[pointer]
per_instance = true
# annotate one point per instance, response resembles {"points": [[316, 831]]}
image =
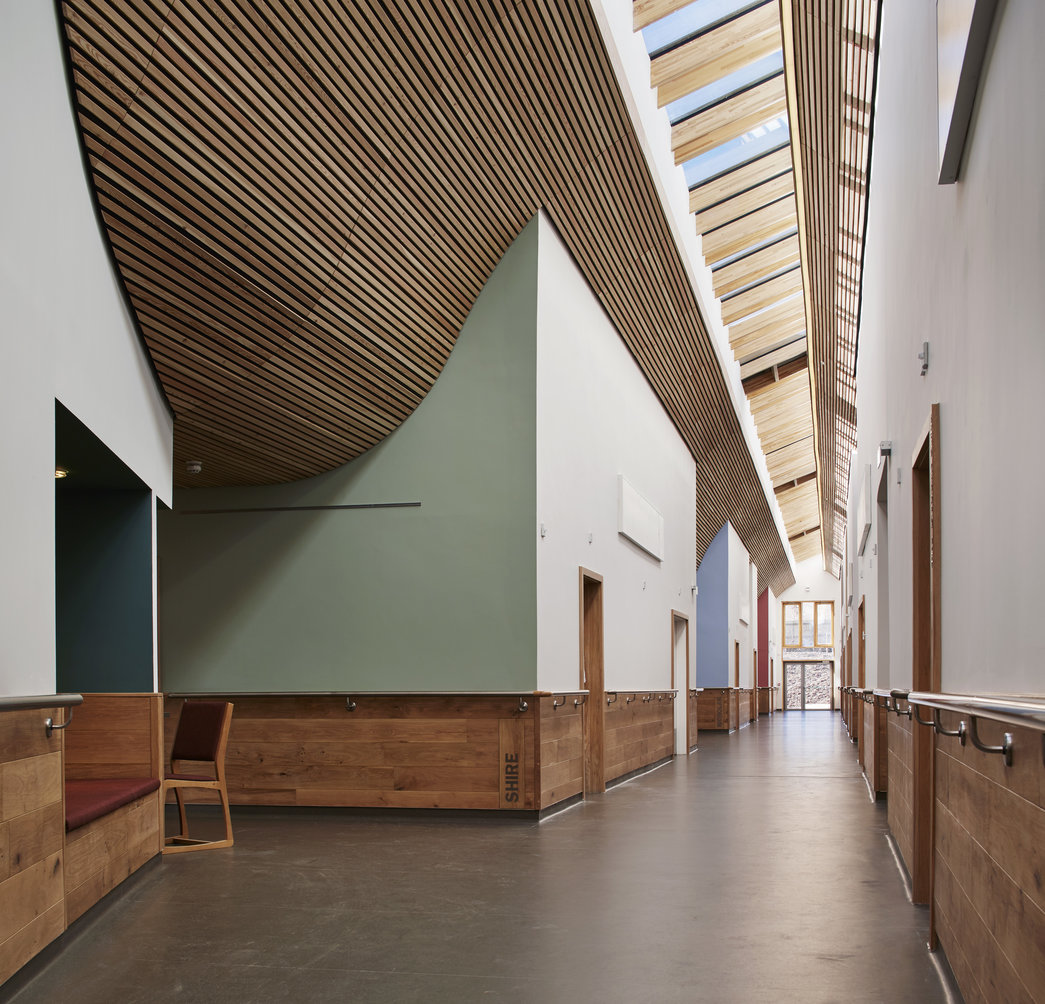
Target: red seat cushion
{"points": [[87, 800]]}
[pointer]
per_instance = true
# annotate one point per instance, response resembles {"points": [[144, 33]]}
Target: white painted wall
{"points": [[631, 64], [960, 266], [65, 334], [598, 418], [743, 610]]}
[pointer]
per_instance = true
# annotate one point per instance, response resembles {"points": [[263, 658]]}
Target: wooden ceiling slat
{"points": [[716, 53], [747, 202], [772, 258], [645, 12], [764, 295], [758, 334], [799, 507], [740, 179], [807, 546], [782, 412], [795, 460], [749, 231], [728, 119]]}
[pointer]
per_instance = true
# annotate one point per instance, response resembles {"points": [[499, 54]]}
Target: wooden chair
{"points": [[202, 735]]}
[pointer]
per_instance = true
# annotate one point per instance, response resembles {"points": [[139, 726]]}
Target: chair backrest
{"points": [[202, 729]]}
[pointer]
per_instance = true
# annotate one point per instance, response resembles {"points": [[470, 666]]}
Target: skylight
{"points": [[757, 141], [725, 86], [687, 21]]}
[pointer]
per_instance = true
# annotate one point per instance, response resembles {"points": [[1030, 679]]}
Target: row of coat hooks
{"points": [[612, 696]]}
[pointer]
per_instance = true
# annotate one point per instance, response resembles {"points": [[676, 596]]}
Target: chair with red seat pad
{"points": [[201, 737]]}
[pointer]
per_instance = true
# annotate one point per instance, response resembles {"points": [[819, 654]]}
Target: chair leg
{"points": [[182, 818], [224, 796]]}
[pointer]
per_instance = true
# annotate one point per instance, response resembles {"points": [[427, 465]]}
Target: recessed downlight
{"points": [[60, 472]]}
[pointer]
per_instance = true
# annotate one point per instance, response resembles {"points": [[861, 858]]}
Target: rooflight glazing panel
{"points": [[753, 143]]}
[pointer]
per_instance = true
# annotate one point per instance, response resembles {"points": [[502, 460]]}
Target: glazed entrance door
{"points": [[807, 686]]}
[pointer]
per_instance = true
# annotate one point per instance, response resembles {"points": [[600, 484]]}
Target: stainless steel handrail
{"points": [[345, 693], [1023, 712], [36, 701], [1020, 712]]}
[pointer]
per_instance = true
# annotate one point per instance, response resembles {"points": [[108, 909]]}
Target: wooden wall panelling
{"points": [[713, 709], [639, 733], [299, 292], [100, 855], [881, 763], [866, 750], [32, 832], [407, 751], [901, 812], [561, 750], [116, 735], [988, 894], [692, 719]]}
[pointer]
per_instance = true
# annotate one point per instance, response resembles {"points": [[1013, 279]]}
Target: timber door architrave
{"points": [[592, 679], [926, 661], [681, 692]]}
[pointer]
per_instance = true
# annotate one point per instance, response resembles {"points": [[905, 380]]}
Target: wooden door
{"points": [[593, 680]]}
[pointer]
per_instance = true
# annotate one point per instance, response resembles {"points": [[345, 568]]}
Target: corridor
{"points": [[757, 869]]}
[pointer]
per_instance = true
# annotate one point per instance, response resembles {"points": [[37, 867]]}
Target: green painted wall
{"points": [[441, 597]]}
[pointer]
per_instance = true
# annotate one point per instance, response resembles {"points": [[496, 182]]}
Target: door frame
{"points": [[681, 744], [926, 660]]}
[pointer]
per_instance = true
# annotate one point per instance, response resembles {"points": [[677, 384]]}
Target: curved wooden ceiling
{"points": [[305, 198]]}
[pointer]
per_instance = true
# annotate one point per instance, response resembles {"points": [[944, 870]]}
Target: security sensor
{"points": [[193, 467]]}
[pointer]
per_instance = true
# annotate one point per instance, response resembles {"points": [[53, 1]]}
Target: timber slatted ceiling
{"points": [[716, 52], [751, 267], [830, 53], [746, 213], [808, 545], [781, 411], [305, 200]]}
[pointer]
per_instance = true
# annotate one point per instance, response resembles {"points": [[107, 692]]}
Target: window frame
{"points": [[803, 642]]}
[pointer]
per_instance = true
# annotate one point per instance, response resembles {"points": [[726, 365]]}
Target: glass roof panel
{"points": [[687, 20], [757, 141], [729, 84]]}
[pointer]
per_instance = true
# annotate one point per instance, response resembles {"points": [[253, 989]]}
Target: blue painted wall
{"points": [[713, 613]]}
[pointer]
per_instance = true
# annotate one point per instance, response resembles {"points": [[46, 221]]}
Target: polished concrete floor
{"points": [[757, 869]]}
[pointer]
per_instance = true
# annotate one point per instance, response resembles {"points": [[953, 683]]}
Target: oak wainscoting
{"points": [[640, 732], [32, 835]]}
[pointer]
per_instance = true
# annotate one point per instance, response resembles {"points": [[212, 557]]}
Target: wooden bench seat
{"points": [[89, 799], [113, 751]]}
